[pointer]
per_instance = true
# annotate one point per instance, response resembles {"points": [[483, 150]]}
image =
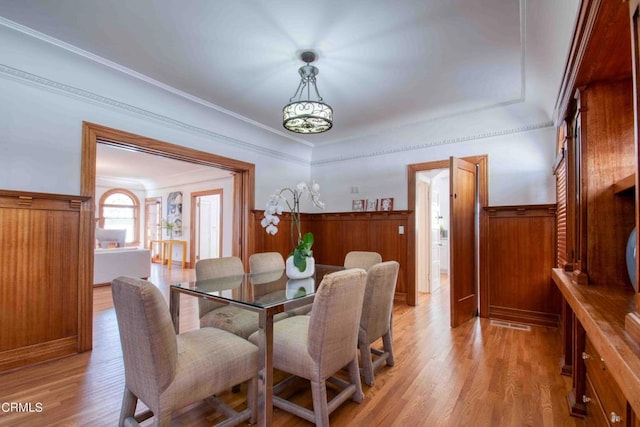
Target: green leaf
{"points": [[307, 239], [299, 260], [303, 251]]}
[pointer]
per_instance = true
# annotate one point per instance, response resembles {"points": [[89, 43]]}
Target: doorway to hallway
{"points": [[432, 228], [206, 217]]}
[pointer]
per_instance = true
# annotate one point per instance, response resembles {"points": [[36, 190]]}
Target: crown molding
{"points": [[466, 138], [85, 95], [115, 66]]}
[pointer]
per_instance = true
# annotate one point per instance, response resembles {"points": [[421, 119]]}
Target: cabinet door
{"points": [[634, 10]]}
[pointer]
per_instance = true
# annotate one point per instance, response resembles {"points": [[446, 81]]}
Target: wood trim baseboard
{"points": [[524, 316], [23, 356]]}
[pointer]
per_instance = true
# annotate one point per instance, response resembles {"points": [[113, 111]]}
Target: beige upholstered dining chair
{"points": [[315, 347], [273, 261], [168, 371], [376, 320], [266, 261], [218, 315], [361, 259]]}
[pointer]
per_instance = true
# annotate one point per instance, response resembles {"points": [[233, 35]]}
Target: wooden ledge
{"points": [[603, 311]]}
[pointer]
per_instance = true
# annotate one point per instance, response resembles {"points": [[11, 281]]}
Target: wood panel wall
{"points": [[39, 277], [338, 233], [520, 253], [608, 157]]}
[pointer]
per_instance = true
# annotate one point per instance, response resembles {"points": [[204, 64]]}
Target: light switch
{"points": [[401, 229]]}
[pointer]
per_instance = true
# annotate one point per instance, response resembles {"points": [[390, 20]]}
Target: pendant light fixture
{"points": [[302, 114]]}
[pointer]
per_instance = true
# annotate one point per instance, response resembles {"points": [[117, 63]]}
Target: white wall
{"points": [[49, 92], [226, 184], [519, 170], [52, 91]]}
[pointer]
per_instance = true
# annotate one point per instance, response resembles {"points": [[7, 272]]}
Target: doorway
{"points": [[243, 200], [152, 220], [206, 217], [480, 169], [432, 229]]}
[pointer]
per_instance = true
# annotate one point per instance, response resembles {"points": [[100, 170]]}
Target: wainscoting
{"points": [[41, 292], [338, 233], [519, 254]]}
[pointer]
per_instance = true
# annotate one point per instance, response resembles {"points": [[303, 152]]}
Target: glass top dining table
{"points": [[266, 293]]}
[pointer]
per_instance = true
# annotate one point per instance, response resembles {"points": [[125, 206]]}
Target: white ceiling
{"points": [[118, 166], [382, 63]]}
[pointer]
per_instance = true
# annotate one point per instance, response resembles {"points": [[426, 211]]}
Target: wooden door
{"points": [[463, 243], [206, 233]]}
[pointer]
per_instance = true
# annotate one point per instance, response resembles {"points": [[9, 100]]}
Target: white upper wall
{"points": [[51, 91]]}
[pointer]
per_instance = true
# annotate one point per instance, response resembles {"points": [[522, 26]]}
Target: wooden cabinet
{"points": [[596, 417], [605, 358], [606, 393], [596, 176]]}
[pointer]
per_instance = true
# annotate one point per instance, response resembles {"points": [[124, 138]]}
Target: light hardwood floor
{"points": [[478, 374]]}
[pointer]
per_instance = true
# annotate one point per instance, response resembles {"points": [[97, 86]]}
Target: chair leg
{"points": [[367, 364], [129, 403], [162, 419], [387, 343], [354, 377], [320, 406], [252, 399]]}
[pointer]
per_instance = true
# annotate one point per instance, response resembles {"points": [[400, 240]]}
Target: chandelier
{"points": [[307, 115]]}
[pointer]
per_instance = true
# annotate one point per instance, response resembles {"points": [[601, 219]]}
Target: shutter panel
{"points": [[561, 214]]}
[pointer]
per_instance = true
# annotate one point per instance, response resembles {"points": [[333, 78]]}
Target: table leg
{"points": [[265, 367], [170, 255], [174, 309]]}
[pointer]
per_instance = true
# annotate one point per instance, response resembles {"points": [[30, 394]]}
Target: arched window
{"points": [[120, 208]]}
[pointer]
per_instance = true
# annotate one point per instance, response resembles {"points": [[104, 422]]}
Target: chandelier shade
{"points": [[306, 115]]}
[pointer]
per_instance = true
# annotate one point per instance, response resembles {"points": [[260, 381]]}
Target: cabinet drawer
{"points": [[610, 396], [596, 416]]}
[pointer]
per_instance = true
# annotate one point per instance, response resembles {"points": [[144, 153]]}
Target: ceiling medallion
{"points": [[307, 115]]}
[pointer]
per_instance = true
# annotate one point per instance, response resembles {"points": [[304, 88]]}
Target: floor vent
{"points": [[517, 326]]}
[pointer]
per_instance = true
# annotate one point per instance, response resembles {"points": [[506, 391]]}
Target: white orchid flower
{"points": [[271, 229], [274, 205]]}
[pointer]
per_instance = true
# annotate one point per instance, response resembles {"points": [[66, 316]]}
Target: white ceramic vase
{"points": [[298, 288], [294, 273]]}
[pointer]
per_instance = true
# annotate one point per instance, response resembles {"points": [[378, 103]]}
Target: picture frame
{"points": [[385, 204], [372, 205], [358, 205]]}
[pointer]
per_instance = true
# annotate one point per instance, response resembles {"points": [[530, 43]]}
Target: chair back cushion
{"points": [[266, 261], [213, 268], [149, 345], [333, 326], [361, 259], [378, 299]]}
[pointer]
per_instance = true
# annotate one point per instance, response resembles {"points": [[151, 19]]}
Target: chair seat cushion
{"points": [[290, 352], [222, 357], [236, 320]]}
